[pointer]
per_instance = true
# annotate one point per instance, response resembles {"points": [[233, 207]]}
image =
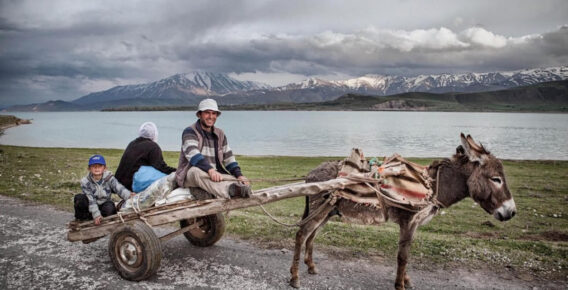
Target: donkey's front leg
{"points": [[303, 233], [405, 240], [308, 255], [300, 239]]}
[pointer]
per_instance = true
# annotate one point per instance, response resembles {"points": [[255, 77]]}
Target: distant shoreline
{"points": [[238, 108], [533, 100], [547, 97]]}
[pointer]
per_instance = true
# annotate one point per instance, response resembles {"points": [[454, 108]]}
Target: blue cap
{"points": [[97, 159]]}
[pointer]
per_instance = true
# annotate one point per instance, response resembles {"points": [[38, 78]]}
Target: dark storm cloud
{"points": [[65, 49], [379, 51], [556, 43]]}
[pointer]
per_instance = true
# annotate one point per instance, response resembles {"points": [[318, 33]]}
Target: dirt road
{"points": [[34, 253]]}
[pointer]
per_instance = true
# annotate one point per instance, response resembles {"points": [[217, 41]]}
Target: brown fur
{"points": [[468, 173]]}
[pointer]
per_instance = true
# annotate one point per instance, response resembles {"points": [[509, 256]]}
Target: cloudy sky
{"points": [[65, 49]]}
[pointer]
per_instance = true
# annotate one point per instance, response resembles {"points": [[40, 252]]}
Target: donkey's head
{"points": [[487, 184]]}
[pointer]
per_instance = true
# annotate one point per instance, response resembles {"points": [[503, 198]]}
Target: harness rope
{"points": [[435, 195], [332, 199], [272, 180]]}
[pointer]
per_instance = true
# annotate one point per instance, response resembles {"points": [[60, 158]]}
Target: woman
{"points": [[142, 151]]}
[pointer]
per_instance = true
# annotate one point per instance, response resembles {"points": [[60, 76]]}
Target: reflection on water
{"points": [[420, 134]]}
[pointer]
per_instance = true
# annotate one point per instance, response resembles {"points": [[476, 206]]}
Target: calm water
{"points": [[419, 134]]}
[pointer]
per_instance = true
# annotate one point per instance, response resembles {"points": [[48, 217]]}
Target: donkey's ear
{"points": [[460, 150], [475, 152]]}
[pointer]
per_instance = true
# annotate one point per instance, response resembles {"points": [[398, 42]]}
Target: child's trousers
{"points": [[81, 203]]}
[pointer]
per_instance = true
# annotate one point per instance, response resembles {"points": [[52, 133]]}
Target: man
{"points": [[206, 160]]}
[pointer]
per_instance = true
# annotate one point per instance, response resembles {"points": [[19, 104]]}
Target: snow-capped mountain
{"points": [[468, 82], [188, 88], [318, 90], [308, 83]]}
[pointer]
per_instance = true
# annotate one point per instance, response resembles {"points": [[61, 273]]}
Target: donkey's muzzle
{"points": [[507, 211]]}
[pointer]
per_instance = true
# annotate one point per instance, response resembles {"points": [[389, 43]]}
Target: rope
{"points": [[273, 180], [120, 216], [330, 200], [388, 201], [144, 220], [136, 206], [381, 201], [435, 197], [137, 210], [277, 221]]}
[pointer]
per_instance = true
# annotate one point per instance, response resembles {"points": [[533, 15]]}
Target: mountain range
{"points": [[318, 90], [190, 88], [180, 88], [540, 97]]}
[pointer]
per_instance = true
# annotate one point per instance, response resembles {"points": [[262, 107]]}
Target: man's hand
{"points": [[214, 175], [132, 194], [98, 220], [242, 179]]}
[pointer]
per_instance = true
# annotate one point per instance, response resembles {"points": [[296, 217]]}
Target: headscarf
{"points": [[149, 130]]}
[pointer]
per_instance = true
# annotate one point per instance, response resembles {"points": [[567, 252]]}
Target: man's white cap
{"points": [[149, 130], [208, 104]]}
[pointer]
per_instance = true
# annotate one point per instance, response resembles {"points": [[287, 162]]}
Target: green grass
{"points": [[535, 241]]}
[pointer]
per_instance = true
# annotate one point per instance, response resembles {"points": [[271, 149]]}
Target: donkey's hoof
{"points": [[295, 283], [407, 282], [313, 270]]}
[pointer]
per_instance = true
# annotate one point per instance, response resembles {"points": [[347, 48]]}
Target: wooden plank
{"points": [[258, 198], [89, 233], [161, 215], [172, 235]]}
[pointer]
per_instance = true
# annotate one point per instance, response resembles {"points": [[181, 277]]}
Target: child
{"points": [[98, 185]]}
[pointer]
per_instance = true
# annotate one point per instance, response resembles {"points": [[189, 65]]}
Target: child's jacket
{"points": [[99, 193]]}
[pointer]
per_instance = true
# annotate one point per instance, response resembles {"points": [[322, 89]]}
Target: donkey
{"points": [[472, 172]]}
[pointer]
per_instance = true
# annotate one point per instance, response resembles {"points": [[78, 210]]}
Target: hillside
{"points": [[49, 106], [543, 97]]}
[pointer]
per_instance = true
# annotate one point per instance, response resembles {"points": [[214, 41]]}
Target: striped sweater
{"points": [[205, 150]]}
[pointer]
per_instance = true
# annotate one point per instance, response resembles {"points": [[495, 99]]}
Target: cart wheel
{"points": [[135, 251], [210, 230]]}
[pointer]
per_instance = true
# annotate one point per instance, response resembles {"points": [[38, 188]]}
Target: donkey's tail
{"points": [[306, 208]]}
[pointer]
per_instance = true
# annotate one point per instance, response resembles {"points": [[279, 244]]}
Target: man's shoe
{"points": [[239, 190], [120, 204]]}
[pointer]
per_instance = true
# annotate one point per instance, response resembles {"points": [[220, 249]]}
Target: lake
{"points": [[412, 134]]}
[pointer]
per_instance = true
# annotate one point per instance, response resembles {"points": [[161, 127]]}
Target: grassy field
{"points": [[533, 245]]}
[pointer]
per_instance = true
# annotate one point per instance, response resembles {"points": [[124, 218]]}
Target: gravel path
{"points": [[34, 253]]}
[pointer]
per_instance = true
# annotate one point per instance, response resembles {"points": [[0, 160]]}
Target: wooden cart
{"points": [[134, 248]]}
